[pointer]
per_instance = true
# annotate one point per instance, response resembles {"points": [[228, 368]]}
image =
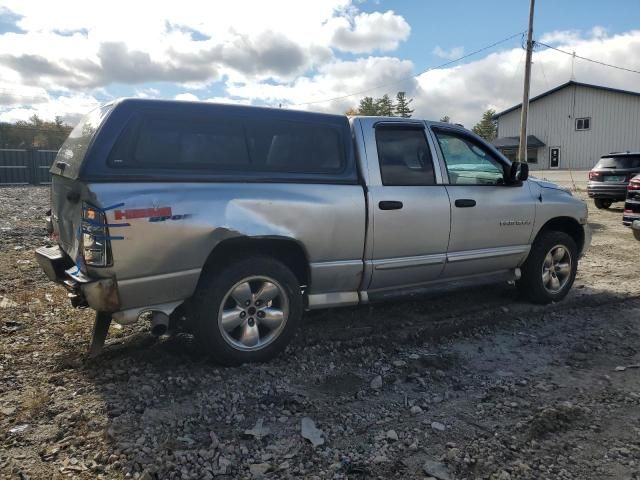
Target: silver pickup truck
{"points": [[230, 221]]}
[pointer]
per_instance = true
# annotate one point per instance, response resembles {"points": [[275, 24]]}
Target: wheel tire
{"points": [[532, 281], [602, 203], [214, 296]]}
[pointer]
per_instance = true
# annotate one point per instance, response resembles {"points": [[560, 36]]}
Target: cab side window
{"points": [[468, 163], [404, 156]]}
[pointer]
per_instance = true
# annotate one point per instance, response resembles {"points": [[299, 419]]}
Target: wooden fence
{"points": [[25, 166]]}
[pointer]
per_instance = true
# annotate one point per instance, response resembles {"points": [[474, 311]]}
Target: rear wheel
{"points": [[603, 203], [550, 268], [248, 311]]}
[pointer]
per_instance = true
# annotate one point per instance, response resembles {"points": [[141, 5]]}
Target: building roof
{"points": [[514, 142], [564, 85]]}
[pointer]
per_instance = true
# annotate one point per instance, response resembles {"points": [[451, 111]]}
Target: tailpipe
{"points": [[159, 323]]}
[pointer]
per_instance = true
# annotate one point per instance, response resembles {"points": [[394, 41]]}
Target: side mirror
{"points": [[518, 172]]}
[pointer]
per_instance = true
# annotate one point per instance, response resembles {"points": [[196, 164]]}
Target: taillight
{"points": [[595, 175], [633, 186], [95, 237]]}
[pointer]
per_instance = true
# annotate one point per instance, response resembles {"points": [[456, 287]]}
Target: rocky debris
{"points": [[258, 431], [391, 435], [259, 469], [6, 302], [555, 419], [310, 432], [415, 410], [376, 383], [626, 367], [437, 470], [437, 426]]}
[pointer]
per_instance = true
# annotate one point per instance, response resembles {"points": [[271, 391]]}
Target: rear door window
{"points": [[404, 156], [618, 162]]}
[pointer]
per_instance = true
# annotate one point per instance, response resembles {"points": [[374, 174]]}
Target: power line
{"points": [[446, 64], [589, 59]]}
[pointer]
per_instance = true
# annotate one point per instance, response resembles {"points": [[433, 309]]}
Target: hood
{"points": [[550, 185]]}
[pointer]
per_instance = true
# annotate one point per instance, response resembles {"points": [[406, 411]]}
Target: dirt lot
{"points": [[472, 384]]}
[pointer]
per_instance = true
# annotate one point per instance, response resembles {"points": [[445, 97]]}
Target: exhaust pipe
{"points": [[159, 323]]}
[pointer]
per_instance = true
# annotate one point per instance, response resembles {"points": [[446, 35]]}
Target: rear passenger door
{"points": [[410, 209]]}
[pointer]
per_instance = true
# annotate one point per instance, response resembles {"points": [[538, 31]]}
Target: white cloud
{"points": [[188, 42], [284, 51], [69, 108], [560, 36], [367, 32], [464, 92], [382, 74], [186, 96], [452, 53]]}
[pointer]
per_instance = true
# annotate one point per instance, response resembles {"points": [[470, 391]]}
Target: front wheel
{"points": [[602, 203], [248, 311], [550, 269]]}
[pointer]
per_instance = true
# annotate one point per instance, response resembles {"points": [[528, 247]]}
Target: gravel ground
{"points": [[471, 384]]}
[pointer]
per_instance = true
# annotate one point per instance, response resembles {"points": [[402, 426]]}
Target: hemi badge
{"points": [[143, 213]]}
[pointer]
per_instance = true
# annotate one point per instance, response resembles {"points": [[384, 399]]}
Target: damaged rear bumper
{"points": [[101, 294]]}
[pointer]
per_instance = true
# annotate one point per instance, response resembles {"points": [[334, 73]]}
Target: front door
{"points": [[554, 157], [411, 212], [491, 222]]}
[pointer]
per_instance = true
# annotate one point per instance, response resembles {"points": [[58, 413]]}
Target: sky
{"points": [[66, 57]]}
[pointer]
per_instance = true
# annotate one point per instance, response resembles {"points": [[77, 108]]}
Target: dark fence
{"points": [[25, 166]]}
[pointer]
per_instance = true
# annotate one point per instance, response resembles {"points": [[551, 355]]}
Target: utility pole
{"points": [[522, 151]]}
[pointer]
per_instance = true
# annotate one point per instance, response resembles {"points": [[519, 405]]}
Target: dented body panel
{"points": [[160, 257]]}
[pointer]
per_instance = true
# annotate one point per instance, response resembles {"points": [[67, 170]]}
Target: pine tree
{"points": [[367, 106], [402, 105], [385, 106], [487, 128]]}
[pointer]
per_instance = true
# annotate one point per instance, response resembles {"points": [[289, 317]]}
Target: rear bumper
{"points": [[611, 191], [101, 294]]}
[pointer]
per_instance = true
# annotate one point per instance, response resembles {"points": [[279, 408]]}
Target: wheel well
{"points": [[288, 251], [568, 225]]}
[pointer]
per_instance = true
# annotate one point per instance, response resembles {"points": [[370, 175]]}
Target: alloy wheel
{"points": [[253, 313], [556, 269]]}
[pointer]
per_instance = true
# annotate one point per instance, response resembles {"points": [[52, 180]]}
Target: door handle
{"points": [[390, 205], [465, 203]]}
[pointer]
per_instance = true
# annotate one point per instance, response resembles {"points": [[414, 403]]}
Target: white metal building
{"points": [[572, 125]]}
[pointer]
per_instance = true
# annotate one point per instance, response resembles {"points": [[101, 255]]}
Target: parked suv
{"points": [[229, 221], [632, 202], [608, 180]]}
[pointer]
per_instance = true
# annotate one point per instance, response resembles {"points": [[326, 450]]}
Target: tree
{"points": [[487, 128], [385, 106], [34, 133], [446, 119], [367, 106], [402, 105]]}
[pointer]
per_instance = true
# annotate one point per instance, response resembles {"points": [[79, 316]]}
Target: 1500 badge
{"points": [[509, 223]]}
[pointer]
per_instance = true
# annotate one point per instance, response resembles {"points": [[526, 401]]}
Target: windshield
{"points": [[73, 150], [619, 162]]}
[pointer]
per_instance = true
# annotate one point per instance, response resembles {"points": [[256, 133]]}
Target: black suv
{"points": [[632, 203], [608, 180]]}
